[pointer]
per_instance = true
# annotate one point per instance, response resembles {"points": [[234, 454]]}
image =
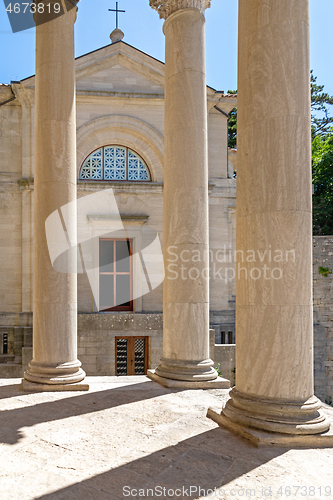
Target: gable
{"points": [[119, 68], [118, 78]]}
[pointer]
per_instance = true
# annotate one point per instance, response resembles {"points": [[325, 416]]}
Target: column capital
{"points": [[167, 7]]}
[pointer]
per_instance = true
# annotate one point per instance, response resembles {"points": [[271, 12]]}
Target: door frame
{"points": [[130, 361]]}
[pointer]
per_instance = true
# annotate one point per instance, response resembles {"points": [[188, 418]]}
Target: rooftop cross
{"points": [[116, 10]]}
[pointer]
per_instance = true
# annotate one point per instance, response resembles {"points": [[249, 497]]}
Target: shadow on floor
{"points": [[10, 390], [12, 420], [210, 460]]}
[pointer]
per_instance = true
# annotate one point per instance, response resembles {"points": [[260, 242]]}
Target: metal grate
{"points": [[114, 163], [5, 343], [139, 357], [121, 357]]}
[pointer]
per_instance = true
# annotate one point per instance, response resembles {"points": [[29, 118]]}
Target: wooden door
{"points": [[131, 355]]}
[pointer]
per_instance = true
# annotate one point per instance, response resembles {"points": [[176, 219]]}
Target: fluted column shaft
{"points": [[186, 291], [54, 293], [274, 326]]}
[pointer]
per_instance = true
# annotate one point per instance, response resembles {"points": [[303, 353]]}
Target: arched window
{"points": [[114, 163]]}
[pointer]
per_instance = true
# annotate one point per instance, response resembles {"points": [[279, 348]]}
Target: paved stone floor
{"points": [[130, 438]]}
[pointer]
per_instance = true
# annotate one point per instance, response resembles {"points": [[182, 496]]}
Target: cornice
{"points": [[133, 219], [167, 7], [121, 187]]}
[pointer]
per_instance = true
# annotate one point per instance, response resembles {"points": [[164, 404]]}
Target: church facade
{"points": [[120, 142]]}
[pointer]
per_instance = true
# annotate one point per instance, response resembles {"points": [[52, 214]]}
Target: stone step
{"points": [[10, 370], [6, 358]]}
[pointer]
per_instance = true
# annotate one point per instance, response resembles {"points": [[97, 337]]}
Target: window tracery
{"points": [[114, 163]]}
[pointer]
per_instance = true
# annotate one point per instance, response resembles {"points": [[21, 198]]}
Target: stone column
{"points": [[185, 287], [274, 326], [54, 365]]}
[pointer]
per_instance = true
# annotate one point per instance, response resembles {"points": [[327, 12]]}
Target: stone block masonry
{"points": [[97, 333], [323, 316]]}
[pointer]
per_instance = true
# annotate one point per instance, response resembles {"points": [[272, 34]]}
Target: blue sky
{"points": [[143, 29]]}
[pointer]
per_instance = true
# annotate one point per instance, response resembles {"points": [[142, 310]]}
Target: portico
{"points": [[274, 327], [274, 361]]}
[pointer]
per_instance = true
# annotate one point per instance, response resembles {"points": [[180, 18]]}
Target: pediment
{"points": [[120, 68]]}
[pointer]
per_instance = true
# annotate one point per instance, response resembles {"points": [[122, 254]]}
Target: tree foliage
{"points": [[321, 102], [322, 158], [322, 178], [232, 125], [322, 155]]}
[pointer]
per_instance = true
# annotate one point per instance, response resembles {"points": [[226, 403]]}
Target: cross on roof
{"points": [[116, 10]]}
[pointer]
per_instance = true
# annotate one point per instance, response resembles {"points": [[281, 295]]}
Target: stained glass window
{"points": [[114, 163]]}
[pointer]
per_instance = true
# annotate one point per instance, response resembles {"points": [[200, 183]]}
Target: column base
{"points": [[260, 438], [188, 371], [54, 374], [274, 420], [34, 387], [217, 383], [276, 415]]}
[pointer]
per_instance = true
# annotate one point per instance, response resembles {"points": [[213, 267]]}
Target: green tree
{"points": [[322, 155], [322, 178], [232, 125], [321, 102]]}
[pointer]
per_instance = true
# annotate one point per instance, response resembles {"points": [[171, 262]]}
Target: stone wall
{"points": [[223, 356], [96, 341], [10, 208], [97, 333], [18, 328], [223, 321], [323, 317]]}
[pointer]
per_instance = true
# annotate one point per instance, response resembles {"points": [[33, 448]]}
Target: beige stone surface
{"points": [[323, 316], [224, 355], [274, 355], [217, 383], [10, 207], [97, 333], [185, 301], [264, 438], [130, 113], [54, 294], [217, 148], [129, 431], [289, 371]]}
